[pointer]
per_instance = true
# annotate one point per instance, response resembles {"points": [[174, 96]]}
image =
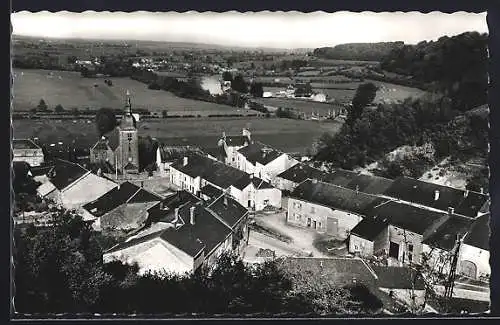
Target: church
{"points": [[118, 150]]}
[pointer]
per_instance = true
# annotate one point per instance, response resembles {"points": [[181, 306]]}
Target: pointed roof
{"points": [[128, 121]]}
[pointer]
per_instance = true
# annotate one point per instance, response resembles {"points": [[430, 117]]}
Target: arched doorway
{"points": [[469, 269]]}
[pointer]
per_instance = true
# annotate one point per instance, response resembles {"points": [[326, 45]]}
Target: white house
{"points": [[474, 251], [263, 161], [185, 237], [197, 171], [328, 208], [72, 186], [231, 144]]}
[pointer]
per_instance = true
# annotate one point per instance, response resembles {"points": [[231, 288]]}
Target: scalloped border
{"points": [[185, 316]]}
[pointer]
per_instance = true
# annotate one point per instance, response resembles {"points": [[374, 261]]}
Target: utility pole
{"points": [[453, 267]]}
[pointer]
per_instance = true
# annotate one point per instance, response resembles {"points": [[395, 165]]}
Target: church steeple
{"points": [[128, 104]]}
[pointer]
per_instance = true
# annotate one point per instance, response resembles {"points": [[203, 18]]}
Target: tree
{"points": [[227, 76], [59, 108], [147, 152], [105, 120], [256, 89], [364, 96], [239, 84], [42, 106], [164, 113]]}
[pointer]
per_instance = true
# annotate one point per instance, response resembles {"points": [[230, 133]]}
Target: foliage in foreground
{"points": [[60, 270]]}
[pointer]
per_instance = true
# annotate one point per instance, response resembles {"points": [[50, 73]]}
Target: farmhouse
{"points": [[298, 173], [120, 147], [437, 197], [28, 151], [197, 171], [166, 155], [263, 161], [328, 208], [186, 237], [475, 251], [72, 186], [396, 231], [124, 207]]}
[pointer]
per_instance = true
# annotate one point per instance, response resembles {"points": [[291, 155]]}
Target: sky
{"points": [[262, 29]]}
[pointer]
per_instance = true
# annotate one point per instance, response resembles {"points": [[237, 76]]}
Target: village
{"points": [[259, 203]]}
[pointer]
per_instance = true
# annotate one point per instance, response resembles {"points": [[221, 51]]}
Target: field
{"points": [[285, 134], [72, 91]]}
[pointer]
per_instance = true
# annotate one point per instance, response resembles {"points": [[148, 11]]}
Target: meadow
{"points": [[285, 134], [70, 90]]}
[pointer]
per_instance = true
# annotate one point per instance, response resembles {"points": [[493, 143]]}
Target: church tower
{"points": [[128, 149]]}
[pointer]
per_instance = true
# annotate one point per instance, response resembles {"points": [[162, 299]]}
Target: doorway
{"points": [[394, 250], [314, 224]]}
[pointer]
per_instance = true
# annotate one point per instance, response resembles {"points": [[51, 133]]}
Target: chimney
{"points": [[451, 210], [224, 135], [161, 205], [436, 195], [314, 181], [466, 193], [481, 190], [185, 161], [251, 176], [191, 214], [142, 184], [176, 215], [357, 188], [225, 201]]}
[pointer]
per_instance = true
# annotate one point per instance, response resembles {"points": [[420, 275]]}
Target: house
{"points": [[390, 285], [367, 237], [475, 250], [195, 172], [406, 228], [231, 144], [364, 183], [120, 147], [72, 186], [185, 237], [166, 155], [328, 208], [28, 151], [298, 173], [440, 245], [125, 207], [263, 161], [438, 197]]}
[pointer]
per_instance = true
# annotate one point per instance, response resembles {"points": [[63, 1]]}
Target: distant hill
{"points": [[358, 51]]}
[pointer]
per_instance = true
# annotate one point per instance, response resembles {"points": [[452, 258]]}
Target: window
{"points": [[129, 136], [266, 202], [410, 257], [410, 248], [319, 224]]}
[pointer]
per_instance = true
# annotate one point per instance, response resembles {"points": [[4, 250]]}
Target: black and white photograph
{"points": [[250, 164]]}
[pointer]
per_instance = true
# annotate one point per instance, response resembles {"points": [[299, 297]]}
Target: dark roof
{"points": [[405, 216], [213, 171], [113, 138], [216, 152], [21, 169], [257, 182], [24, 144], [172, 153], [65, 173], [128, 122], [369, 228], [230, 213], [205, 234], [479, 233], [130, 166], [342, 177], [395, 277], [39, 170], [300, 172], [237, 140], [335, 197], [259, 152], [104, 166], [369, 184], [211, 191], [420, 192], [175, 200], [126, 192], [444, 237]]}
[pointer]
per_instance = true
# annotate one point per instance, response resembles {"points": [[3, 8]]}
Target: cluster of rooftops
{"points": [[438, 213]]}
